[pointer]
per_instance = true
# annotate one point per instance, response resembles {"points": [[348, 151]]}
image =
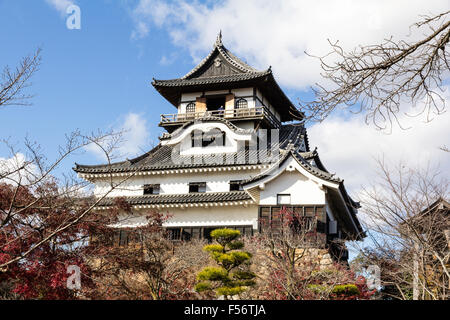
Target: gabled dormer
{"points": [[224, 86]]}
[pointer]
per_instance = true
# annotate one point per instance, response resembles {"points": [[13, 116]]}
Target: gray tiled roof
{"points": [[210, 80], [162, 157], [304, 163], [309, 154], [204, 197], [225, 53]]}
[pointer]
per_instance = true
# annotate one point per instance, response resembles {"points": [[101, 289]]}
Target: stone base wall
{"points": [[315, 257]]}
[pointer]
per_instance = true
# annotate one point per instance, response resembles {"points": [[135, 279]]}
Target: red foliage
{"points": [[35, 266], [308, 280]]}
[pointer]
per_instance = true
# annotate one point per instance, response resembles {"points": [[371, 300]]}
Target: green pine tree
{"points": [[232, 276]]}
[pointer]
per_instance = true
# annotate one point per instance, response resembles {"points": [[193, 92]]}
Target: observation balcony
{"points": [[243, 114]]}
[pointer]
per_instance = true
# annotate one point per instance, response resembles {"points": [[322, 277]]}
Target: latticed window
{"points": [[190, 108], [241, 104], [304, 218], [189, 233]]}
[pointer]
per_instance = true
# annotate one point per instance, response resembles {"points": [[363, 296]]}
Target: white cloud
{"points": [[167, 60], [17, 170], [277, 33], [134, 139], [140, 31], [136, 135], [60, 5], [349, 147]]}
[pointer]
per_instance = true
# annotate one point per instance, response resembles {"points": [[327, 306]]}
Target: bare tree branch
{"points": [[380, 80], [14, 83]]}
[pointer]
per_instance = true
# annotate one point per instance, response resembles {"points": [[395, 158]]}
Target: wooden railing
{"points": [[246, 113]]}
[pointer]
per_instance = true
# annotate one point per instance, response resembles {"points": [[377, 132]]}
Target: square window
{"points": [[283, 199], [235, 185], [151, 189], [193, 188], [197, 187]]}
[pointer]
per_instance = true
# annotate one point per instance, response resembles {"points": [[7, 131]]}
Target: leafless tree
{"points": [[292, 262], [409, 238], [381, 80], [146, 266], [36, 206], [13, 83]]}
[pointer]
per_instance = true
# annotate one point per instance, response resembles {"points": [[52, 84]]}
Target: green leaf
{"points": [[229, 291], [213, 248], [202, 286], [243, 275], [236, 245], [346, 289], [225, 234], [213, 274], [240, 256]]}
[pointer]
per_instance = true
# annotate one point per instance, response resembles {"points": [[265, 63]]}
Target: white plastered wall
{"points": [[199, 217], [174, 183], [240, 92], [291, 179], [302, 190], [231, 138]]}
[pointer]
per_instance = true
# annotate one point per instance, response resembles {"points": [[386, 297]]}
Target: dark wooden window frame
{"points": [[188, 233], [194, 187], [282, 195], [235, 185], [151, 189], [267, 219]]}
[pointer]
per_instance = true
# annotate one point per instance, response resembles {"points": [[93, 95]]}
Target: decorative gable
{"points": [[217, 65], [219, 62]]}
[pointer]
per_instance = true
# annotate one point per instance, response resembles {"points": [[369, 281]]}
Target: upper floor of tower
{"points": [[224, 86]]}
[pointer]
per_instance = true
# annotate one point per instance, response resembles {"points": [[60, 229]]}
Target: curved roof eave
{"points": [[323, 176]]}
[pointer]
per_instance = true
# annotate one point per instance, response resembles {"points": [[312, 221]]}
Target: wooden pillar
{"points": [[200, 106], [321, 227], [416, 272], [229, 105]]}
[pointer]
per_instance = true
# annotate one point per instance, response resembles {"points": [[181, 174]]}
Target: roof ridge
{"points": [[295, 154], [182, 194], [245, 75], [228, 55], [181, 198], [235, 61]]}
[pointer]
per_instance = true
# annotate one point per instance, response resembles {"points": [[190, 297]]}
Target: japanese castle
{"points": [[235, 153]]}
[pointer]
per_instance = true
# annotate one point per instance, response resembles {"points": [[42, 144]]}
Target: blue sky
{"points": [[89, 79]]}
